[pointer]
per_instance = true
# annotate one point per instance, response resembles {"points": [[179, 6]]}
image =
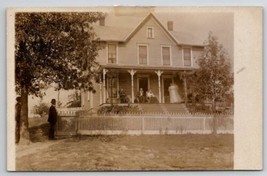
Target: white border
{"points": [[51, 3]]}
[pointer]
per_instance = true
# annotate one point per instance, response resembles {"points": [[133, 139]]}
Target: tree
{"points": [[53, 48], [74, 100], [41, 109], [213, 81]]}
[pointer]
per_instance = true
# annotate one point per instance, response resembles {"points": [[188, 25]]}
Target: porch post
{"points": [[104, 84], [101, 98], [159, 74], [132, 72], [185, 88]]}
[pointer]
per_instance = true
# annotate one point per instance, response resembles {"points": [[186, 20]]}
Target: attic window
{"points": [[150, 32]]}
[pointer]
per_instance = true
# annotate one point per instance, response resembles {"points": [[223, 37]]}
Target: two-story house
{"points": [[147, 55]]}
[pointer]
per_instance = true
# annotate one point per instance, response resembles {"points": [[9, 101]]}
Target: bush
{"points": [[41, 109], [118, 109]]}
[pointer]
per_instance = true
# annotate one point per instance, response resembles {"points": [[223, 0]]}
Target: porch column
{"points": [[159, 74], [185, 88], [104, 84], [100, 86], [132, 72]]}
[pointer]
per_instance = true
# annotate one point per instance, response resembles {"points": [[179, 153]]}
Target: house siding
{"points": [[128, 53]]}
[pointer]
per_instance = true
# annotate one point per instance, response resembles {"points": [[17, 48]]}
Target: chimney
{"points": [[102, 21], [170, 25]]}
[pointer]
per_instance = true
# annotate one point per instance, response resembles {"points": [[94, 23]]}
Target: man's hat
{"points": [[53, 101]]}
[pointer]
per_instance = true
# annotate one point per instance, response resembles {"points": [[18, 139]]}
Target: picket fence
{"points": [[88, 123]]}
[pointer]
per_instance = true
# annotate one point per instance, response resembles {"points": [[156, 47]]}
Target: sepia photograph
{"points": [[122, 89]]}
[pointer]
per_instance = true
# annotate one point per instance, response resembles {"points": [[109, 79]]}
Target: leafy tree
{"points": [[53, 48], [74, 100], [213, 81], [41, 109]]}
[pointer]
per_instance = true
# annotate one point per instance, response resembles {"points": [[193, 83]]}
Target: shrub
{"points": [[41, 109]]}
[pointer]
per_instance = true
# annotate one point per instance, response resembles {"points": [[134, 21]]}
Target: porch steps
{"points": [[156, 108], [176, 108], [163, 108]]}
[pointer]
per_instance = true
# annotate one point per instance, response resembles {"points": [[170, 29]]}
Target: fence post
{"points": [[204, 124], [77, 123], [143, 124]]}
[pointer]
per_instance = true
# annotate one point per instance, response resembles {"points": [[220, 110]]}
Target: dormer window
{"points": [[150, 32], [112, 53]]}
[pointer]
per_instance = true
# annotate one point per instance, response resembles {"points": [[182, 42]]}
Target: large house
{"points": [[142, 52]]}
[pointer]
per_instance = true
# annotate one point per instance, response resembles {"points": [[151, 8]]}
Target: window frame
{"points": [[191, 57], [116, 50], [147, 54], [170, 49], [152, 32]]}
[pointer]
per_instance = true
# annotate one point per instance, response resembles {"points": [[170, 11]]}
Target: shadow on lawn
{"points": [[39, 133]]}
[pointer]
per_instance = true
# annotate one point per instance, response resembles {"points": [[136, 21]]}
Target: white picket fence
{"points": [[142, 123]]}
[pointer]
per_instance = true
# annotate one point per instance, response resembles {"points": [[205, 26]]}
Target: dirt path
{"points": [[178, 152]]}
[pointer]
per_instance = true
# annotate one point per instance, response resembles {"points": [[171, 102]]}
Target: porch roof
{"points": [[150, 68]]}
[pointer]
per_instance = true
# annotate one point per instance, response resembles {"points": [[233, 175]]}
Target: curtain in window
{"points": [[142, 54], [111, 53], [166, 55], [187, 57]]}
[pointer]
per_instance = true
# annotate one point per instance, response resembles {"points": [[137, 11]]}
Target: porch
{"points": [[134, 83]]}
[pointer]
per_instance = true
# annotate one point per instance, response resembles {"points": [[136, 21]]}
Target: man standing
{"points": [[17, 118], [52, 119]]}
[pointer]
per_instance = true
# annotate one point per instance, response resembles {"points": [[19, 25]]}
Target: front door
{"points": [[166, 95], [143, 83]]}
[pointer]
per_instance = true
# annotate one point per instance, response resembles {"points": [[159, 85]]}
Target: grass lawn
{"points": [[146, 152]]}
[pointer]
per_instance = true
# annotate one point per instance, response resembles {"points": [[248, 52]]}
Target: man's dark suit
{"points": [[52, 119]]}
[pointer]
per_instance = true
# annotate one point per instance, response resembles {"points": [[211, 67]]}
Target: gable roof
{"points": [[144, 21], [123, 28]]}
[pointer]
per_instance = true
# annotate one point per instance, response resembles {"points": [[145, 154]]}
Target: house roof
{"points": [[121, 28]]}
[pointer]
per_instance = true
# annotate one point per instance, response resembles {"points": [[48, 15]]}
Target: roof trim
{"points": [[142, 67], [150, 15]]}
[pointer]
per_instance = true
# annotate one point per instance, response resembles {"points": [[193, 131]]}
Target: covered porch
{"points": [[135, 82]]}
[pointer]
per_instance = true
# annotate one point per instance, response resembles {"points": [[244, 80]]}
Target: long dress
{"points": [[174, 95]]}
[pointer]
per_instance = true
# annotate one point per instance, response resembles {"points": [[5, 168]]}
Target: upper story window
{"points": [[142, 54], [187, 56], [150, 32], [112, 53], [166, 55]]}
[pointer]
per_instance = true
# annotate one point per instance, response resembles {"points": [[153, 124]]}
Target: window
{"points": [[150, 33], [187, 56], [143, 54], [166, 55], [112, 54], [112, 86]]}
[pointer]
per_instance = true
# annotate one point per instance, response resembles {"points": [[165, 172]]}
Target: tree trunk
{"points": [[24, 133]]}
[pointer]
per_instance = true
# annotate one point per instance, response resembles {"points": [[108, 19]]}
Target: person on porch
{"points": [[141, 96], [149, 95]]}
